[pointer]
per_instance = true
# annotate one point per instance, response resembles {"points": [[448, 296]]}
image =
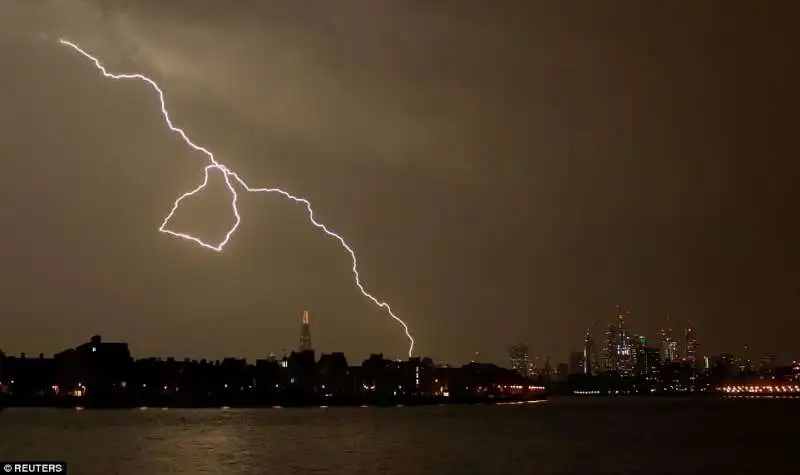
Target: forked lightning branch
{"points": [[233, 181]]}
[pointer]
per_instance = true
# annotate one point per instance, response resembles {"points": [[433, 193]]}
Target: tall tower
{"points": [[589, 353], [690, 344], [625, 355], [669, 346], [610, 356], [305, 333]]}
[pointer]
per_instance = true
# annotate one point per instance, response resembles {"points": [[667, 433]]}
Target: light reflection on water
{"points": [[600, 436]]}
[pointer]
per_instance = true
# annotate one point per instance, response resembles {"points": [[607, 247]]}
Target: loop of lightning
{"points": [[231, 180]]}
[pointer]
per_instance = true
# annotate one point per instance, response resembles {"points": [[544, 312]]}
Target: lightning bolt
{"points": [[231, 180]]}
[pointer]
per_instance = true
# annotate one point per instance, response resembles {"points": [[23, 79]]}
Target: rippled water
{"points": [[554, 437]]}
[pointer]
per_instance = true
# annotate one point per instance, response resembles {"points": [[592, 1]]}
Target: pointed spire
{"points": [[305, 332]]}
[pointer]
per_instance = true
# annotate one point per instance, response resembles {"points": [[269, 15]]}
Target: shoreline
{"points": [[279, 404]]}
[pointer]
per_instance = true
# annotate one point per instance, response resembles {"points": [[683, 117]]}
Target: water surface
{"points": [[612, 436]]}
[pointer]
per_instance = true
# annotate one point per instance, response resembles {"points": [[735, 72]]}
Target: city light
{"points": [[761, 389]]}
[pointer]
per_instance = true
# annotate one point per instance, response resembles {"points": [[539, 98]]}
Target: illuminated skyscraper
{"points": [[669, 347], [690, 343], [626, 357], [610, 356], [520, 359], [305, 333], [618, 352]]}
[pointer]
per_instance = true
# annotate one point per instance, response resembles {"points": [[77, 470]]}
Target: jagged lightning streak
{"points": [[231, 178]]}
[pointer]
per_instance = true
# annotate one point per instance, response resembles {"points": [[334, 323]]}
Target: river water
{"points": [[568, 436]]}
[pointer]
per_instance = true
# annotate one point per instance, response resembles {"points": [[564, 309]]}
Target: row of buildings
{"points": [[101, 373], [621, 351], [627, 353], [672, 363]]}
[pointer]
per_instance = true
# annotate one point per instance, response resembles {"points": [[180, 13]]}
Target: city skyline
{"points": [[502, 179], [672, 345]]}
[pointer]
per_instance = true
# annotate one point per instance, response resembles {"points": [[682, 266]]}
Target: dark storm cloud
{"points": [[505, 172]]}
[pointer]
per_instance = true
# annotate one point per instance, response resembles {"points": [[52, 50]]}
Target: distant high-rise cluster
{"points": [[619, 347], [673, 366], [305, 333], [519, 355], [626, 353], [622, 361]]}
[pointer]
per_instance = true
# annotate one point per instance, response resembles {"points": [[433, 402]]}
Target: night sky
{"points": [[506, 171]]}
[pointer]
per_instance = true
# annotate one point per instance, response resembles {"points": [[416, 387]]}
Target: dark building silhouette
{"points": [[333, 375], [590, 359], [270, 378], [29, 378], [767, 364], [577, 362], [97, 371], [104, 374], [648, 360], [3, 385], [377, 375]]}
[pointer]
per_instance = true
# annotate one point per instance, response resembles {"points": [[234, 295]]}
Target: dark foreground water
{"points": [[555, 437]]}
